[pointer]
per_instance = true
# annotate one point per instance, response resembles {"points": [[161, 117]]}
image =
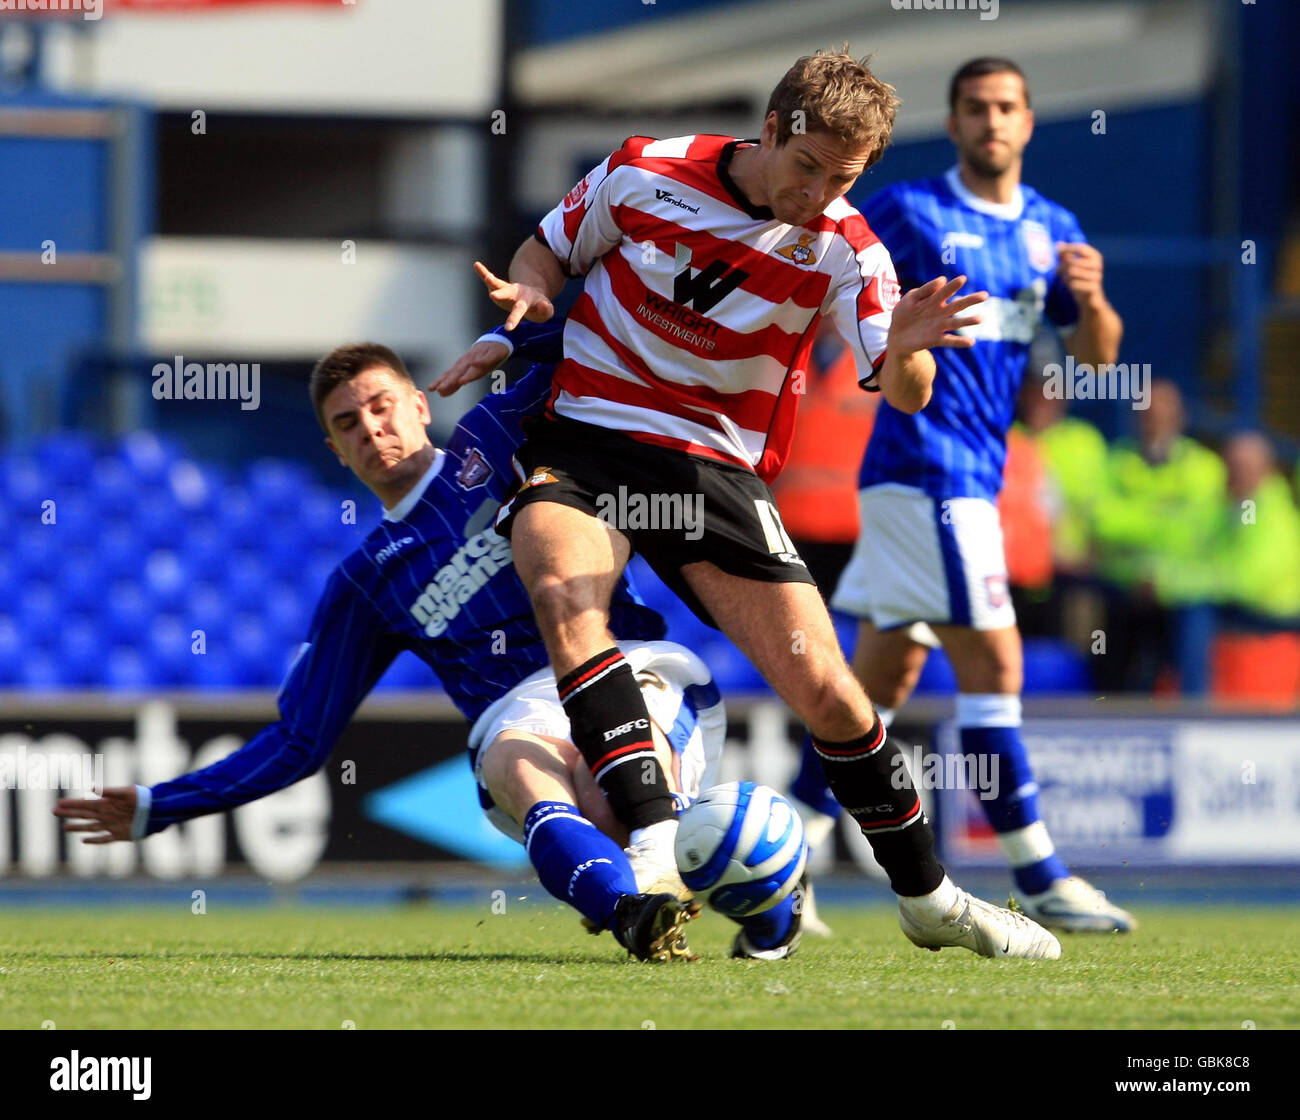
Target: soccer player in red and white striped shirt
{"points": [[708, 264]]}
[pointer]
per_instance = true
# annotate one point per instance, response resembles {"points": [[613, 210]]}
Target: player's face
{"points": [[992, 123], [807, 173], [376, 423]]}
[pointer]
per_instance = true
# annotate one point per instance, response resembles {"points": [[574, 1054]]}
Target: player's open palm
{"points": [[927, 316], [109, 816], [479, 360]]}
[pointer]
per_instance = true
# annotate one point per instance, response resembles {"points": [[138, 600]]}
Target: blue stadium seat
{"points": [[39, 610], [207, 607], [120, 553], [1055, 666], [40, 672], [244, 579], [126, 617], [80, 581], [193, 486], [66, 458], [12, 650], [165, 578], [278, 485], [148, 455], [80, 653], [126, 670], [168, 650]]}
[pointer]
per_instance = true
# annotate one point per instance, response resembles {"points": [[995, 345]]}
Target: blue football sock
{"points": [[809, 785], [577, 862], [768, 929], [990, 731]]}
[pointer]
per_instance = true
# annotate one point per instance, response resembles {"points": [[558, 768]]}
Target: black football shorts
{"points": [[674, 508]]}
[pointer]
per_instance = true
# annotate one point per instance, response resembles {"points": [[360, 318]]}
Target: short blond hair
{"points": [[838, 94]]}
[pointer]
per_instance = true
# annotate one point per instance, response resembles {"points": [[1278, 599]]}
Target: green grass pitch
{"points": [[533, 966]]}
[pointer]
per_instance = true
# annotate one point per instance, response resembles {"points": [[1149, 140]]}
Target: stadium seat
{"points": [[126, 615], [125, 670], [66, 457], [1053, 666], [165, 578], [80, 653], [148, 455]]}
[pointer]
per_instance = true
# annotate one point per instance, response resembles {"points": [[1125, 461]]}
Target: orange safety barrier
{"points": [[1257, 667]]}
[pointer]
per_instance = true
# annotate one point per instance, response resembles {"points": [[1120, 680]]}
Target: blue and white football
{"points": [[740, 846]]}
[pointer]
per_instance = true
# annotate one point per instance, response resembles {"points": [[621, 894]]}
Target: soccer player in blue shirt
{"points": [[436, 579], [929, 566]]}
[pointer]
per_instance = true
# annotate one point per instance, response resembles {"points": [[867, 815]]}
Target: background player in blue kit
{"points": [[434, 578], [929, 566]]}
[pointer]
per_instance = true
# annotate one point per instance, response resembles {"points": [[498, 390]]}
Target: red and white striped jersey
{"points": [[699, 308]]}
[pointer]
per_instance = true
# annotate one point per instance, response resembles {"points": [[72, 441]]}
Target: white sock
{"points": [[936, 904], [1027, 845], [657, 835]]}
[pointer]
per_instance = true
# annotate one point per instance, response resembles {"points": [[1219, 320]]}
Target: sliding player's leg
{"points": [[784, 629], [990, 669], [529, 779]]}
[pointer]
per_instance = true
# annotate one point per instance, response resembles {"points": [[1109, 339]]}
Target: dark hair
{"points": [[978, 68], [837, 94], [343, 363]]}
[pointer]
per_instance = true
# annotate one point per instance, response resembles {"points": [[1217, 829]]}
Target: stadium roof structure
{"points": [[1099, 52]]}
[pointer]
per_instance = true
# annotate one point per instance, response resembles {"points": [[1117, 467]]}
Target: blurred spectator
{"points": [[817, 491], [1072, 456], [1025, 508], [1258, 553], [1156, 526]]}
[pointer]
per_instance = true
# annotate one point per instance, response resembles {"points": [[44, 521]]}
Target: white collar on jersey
{"points": [[1010, 211], [399, 511]]}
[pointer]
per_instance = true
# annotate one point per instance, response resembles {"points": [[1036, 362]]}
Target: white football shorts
{"points": [[681, 698], [920, 559]]}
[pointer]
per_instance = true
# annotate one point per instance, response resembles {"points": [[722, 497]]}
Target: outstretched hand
{"points": [[479, 360], [110, 816], [926, 317], [520, 300]]}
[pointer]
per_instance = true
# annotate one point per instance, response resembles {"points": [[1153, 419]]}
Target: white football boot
{"points": [[1076, 906], [655, 866], [980, 927]]}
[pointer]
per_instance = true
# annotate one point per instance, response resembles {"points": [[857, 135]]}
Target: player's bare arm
{"points": [[1096, 336], [924, 318], [110, 817]]}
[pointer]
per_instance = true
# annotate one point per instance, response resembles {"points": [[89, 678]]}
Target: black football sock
{"points": [[610, 726], [877, 792]]}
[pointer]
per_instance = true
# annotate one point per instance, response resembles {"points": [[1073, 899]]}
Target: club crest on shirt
{"points": [[801, 253], [1038, 244], [474, 471], [539, 477], [996, 586]]}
